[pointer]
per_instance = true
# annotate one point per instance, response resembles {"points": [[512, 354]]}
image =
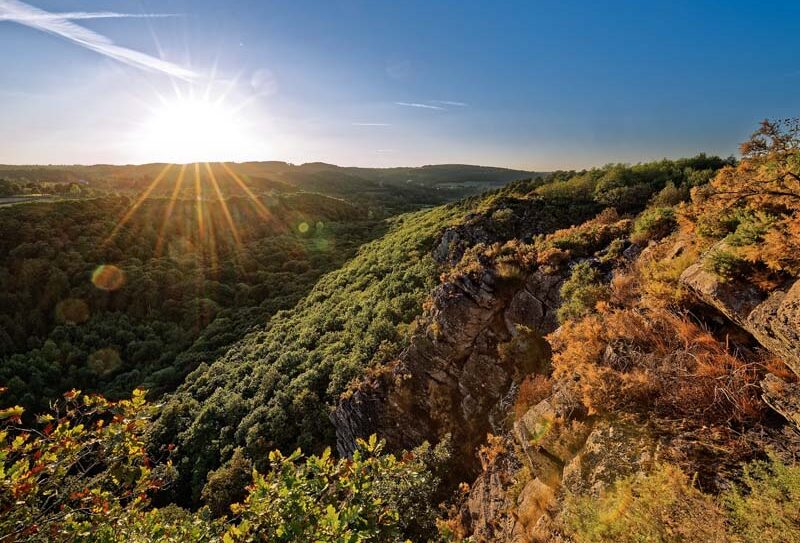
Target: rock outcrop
{"points": [[553, 451], [783, 397], [773, 319], [450, 378]]}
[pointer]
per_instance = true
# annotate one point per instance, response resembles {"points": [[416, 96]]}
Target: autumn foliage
{"points": [[659, 362], [755, 206]]}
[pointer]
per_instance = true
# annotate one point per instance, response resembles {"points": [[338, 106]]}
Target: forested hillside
{"points": [[606, 355], [94, 301], [140, 273]]}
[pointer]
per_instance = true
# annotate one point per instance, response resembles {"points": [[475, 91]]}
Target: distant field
{"points": [[11, 200]]}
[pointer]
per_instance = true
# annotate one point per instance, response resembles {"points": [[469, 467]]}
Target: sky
{"points": [[533, 84]]}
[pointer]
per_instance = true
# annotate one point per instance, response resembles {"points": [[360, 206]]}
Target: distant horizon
{"points": [[389, 167]]}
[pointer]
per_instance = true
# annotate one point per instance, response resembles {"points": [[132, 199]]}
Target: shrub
{"points": [[670, 195], [660, 276], [322, 499], [755, 205], [581, 292], [780, 250], [725, 263], [614, 251], [765, 507], [585, 239], [716, 225], [83, 474], [751, 228], [653, 223], [494, 448], [228, 484], [662, 507]]}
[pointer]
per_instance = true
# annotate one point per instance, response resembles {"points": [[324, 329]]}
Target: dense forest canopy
{"points": [[89, 301], [381, 191]]}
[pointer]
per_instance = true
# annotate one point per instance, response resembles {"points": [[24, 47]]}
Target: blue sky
{"points": [[534, 84]]}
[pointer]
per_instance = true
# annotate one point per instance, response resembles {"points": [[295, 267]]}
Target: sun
{"points": [[188, 129]]}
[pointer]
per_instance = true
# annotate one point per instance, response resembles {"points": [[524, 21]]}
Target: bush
{"points": [[82, 474], [660, 271], [765, 508], [581, 292], [657, 363], [670, 195], [654, 223], [322, 499], [751, 228], [532, 390], [228, 484], [662, 507], [614, 250], [725, 263]]}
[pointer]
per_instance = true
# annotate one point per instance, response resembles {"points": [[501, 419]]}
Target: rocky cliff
{"points": [[452, 379], [485, 329]]}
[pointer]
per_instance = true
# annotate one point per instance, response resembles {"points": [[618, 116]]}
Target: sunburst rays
{"points": [[131, 210], [257, 204], [198, 198], [210, 220], [168, 212], [224, 206]]}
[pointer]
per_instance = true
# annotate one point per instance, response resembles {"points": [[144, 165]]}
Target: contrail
{"points": [[450, 103], [75, 15], [417, 104], [60, 25]]}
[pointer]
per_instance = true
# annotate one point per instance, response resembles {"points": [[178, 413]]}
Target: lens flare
{"points": [[108, 277], [104, 361], [72, 311]]}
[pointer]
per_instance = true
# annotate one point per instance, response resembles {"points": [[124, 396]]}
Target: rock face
{"points": [[775, 323], [487, 511], [450, 379], [773, 320], [553, 450], [614, 449], [783, 397]]}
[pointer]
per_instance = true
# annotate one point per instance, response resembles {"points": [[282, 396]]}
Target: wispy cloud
{"points": [[419, 105], [450, 103], [59, 24], [371, 124]]}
